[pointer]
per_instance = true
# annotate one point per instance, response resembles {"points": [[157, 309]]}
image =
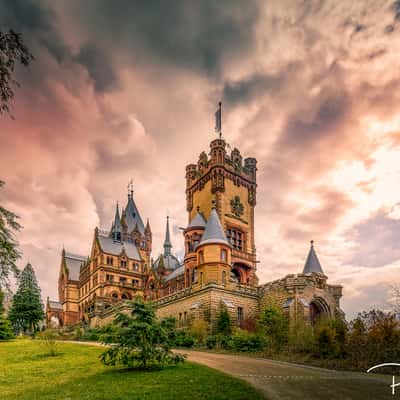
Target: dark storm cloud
{"points": [[194, 34], [377, 241], [97, 63], [306, 127], [35, 21]]}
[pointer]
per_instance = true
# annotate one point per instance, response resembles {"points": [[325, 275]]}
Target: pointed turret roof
{"points": [[213, 232], [167, 241], [312, 263], [132, 216], [198, 221], [116, 226]]}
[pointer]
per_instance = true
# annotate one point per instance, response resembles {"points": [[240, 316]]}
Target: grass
{"points": [[28, 373]]}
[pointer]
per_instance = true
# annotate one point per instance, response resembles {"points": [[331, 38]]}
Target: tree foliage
{"points": [[139, 340], [9, 253], [274, 326], [12, 51], [6, 331], [27, 309], [223, 326]]}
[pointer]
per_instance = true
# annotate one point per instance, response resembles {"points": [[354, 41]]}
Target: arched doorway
{"points": [[318, 309], [240, 273]]}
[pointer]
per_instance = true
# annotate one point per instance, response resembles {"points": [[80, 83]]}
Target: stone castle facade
{"points": [[219, 266]]}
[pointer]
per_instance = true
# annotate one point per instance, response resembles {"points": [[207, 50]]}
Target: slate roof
{"points": [[73, 262], [110, 246], [214, 232], [55, 305], [179, 271], [170, 262], [312, 263], [198, 221], [132, 216]]}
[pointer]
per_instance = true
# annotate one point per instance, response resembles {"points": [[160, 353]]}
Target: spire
{"points": [[312, 263], [131, 214], [218, 120], [117, 228], [147, 229], [167, 241], [213, 232]]}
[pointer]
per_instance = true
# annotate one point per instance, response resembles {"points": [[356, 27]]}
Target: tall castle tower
{"points": [[228, 183]]}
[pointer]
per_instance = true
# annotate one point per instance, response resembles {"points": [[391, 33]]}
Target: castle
{"points": [[219, 265]]}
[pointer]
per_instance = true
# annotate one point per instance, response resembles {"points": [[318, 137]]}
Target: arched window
{"points": [[115, 295]]}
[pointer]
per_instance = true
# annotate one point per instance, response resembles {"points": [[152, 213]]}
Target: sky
{"points": [[128, 89]]}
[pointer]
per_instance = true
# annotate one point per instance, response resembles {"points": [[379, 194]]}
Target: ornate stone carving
{"points": [[237, 207]]}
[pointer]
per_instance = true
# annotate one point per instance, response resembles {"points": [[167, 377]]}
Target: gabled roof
{"points": [[73, 263], [179, 271], [312, 263], [113, 247], [198, 221], [213, 232], [132, 216], [55, 305]]}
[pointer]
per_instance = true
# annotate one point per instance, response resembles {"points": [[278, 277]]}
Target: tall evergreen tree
{"points": [[6, 331], [9, 253], [27, 308]]}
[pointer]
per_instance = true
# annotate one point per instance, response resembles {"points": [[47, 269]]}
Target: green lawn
{"points": [[77, 374]]}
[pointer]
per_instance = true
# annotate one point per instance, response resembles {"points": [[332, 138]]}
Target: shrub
{"points": [[139, 340], [223, 325], [184, 339], [6, 331], [301, 338], [169, 325], [242, 340], [326, 345], [49, 338], [211, 341], [274, 327], [199, 330]]}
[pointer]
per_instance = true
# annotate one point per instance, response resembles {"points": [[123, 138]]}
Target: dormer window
{"points": [[123, 264]]}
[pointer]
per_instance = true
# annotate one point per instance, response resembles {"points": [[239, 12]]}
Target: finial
{"points": [[130, 188], [213, 204], [198, 208], [312, 243]]}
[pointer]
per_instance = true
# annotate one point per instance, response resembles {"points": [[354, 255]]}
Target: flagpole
{"points": [[220, 116]]}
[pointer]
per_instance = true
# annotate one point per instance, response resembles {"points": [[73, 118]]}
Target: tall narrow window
{"points": [[239, 315], [201, 257], [201, 278], [224, 277], [223, 255], [194, 275]]}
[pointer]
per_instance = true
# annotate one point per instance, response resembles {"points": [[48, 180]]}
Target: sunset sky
{"points": [[128, 89]]}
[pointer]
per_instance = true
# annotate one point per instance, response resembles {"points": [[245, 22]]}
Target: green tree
{"points": [[139, 340], [12, 51], [274, 326], [9, 253], [223, 326], [27, 309], [6, 331]]}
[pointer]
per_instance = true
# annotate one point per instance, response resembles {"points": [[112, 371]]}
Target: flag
{"points": [[218, 119]]}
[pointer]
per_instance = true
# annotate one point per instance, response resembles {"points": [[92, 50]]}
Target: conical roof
{"points": [[198, 221], [116, 226], [312, 263], [132, 216], [213, 232]]}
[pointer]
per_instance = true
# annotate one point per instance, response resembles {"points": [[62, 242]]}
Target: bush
{"points": [[301, 338], [273, 326], [139, 340], [242, 340], [211, 341], [6, 331], [49, 338], [223, 325], [184, 339], [199, 330]]}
